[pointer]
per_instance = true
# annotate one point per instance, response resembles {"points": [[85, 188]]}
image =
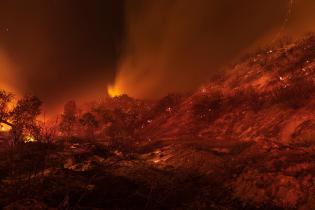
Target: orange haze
{"points": [[174, 46]]}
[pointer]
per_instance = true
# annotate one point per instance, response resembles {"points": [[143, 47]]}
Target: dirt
{"points": [[174, 174]]}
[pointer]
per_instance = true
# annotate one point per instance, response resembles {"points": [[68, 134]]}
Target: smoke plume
{"points": [[174, 46]]}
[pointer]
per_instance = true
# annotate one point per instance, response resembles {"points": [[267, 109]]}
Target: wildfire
{"points": [[113, 91], [4, 128], [29, 138]]}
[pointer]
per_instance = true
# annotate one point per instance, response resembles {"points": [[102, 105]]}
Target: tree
{"points": [[69, 118], [89, 122], [5, 99], [22, 117]]}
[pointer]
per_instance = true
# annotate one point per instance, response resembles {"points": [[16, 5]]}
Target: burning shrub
{"points": [[23, 118], [208, 107], [5, 99]]}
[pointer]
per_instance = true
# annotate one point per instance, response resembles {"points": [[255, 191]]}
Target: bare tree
{"points": [[48, 130]]}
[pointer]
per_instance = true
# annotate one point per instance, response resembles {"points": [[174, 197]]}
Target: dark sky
{"points": [[62, 49]]}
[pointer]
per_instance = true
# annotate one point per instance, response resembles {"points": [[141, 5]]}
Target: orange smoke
{"points": [[113, 91], [174, 46], [8, 79]]}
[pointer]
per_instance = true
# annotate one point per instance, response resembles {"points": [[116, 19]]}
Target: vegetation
{"points": [[22, 117], [89, 123], [208, 107], [69, 119], [295, 94], [123, 153]]}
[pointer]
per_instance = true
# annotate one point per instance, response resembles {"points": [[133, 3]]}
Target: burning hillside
{"points": [[148, 104], [267, 96], [244, 141]]}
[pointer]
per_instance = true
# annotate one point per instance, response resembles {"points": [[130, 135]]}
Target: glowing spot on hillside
{"points": [[113, 91], [29, 138]]}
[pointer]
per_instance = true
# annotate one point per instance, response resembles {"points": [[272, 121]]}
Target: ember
{"points": [[29, 138], [5, 128]]}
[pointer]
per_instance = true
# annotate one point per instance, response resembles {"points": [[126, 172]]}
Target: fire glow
{"points": [[29, 138], [4, 128], [113, 91]]}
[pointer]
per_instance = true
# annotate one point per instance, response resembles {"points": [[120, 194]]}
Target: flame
{"points": [[29, 138], [4, 128], [113, 91]]}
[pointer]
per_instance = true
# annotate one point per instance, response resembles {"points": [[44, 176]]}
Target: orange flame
{"points": [[29, 138], [113, 91], [5, 128]]}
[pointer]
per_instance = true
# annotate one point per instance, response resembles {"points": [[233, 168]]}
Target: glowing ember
{"points": [[156, 161], [29, 138], [5, 128], [113, 91]]}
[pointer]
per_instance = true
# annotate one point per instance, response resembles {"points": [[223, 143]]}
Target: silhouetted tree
{"points": [[5, 99], [69, 118], [23, 117], [89, 122]]}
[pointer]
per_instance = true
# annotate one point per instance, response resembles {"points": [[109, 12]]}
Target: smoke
{"points": [[303, 17], [8, 74], [174, 46], [61, 50]]}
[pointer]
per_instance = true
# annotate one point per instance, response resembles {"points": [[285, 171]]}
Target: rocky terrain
{"points": [[244, 141]]}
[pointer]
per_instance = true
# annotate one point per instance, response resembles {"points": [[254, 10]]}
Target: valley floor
{"points": [[166, 174]]}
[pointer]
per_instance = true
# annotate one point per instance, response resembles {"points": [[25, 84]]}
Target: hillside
{"points": [[267, 96], [244, 141]]}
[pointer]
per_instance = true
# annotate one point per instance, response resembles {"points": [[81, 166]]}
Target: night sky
{"points": [[63, 49]]}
